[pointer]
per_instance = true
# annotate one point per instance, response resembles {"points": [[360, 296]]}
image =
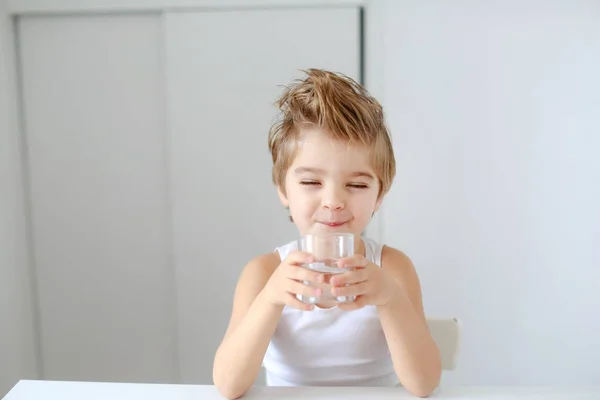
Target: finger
{"points": [[358, 303], [351, 290], [302, 289], [293, 301], [351, 277], [298, 258], [305, 274], [356, 260]]}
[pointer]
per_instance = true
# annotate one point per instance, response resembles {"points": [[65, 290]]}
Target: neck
{"points": [[359, 246]]}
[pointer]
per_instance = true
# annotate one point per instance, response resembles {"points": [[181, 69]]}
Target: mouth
{"points": [[334, 224]]}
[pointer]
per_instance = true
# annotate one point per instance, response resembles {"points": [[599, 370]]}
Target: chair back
{"points": [[446, 334]]}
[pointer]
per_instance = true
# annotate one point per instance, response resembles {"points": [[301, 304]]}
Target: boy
{"points": [[333, 163]]}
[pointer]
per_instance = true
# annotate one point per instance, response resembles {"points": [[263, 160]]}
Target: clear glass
{"points": [[327, 249]]}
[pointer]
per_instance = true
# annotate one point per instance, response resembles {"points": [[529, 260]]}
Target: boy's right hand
{"points": [[286, 282]]}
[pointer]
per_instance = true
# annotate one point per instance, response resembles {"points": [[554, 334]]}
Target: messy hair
{"points": [[343, 109]]}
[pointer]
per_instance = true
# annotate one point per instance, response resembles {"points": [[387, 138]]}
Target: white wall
{"points": [[495, 114], [493, 108], [17, 343]]}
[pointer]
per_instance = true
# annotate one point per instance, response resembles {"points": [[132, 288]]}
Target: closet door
{"points": [[94, 126], [224, 71]]}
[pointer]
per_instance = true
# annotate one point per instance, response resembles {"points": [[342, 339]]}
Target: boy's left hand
{"points": [[368, 282]]}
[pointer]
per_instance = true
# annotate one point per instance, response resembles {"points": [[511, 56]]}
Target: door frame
{"points": [[371, 71], [23, 340], [372, 34]]}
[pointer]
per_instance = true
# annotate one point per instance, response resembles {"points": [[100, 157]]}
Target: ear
{"points": [[282, 197], [378, 204]]}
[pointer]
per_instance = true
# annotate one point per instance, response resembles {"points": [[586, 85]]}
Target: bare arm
{"points": [[253, 320], [264, 288], [415, 355]]}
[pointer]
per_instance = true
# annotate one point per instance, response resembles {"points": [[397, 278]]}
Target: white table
{"points": [[53, 390]]}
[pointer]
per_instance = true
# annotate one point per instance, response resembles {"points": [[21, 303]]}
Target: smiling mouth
{"points": [[333, 224]]}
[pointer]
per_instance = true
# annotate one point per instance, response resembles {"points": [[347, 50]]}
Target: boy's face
{"points": [[330, 186]]}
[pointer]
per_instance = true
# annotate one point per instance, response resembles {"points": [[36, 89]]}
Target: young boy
{"points": [[333, 163]]}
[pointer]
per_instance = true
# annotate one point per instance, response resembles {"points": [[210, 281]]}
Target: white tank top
{"points": [[330, 347]]}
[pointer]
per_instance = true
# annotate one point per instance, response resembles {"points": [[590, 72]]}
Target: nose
{"points": [[333, 199]]}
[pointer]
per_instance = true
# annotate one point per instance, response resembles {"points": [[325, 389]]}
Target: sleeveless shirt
{"points": [[330, 347]]}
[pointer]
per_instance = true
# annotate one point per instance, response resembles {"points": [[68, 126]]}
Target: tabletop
{"points": [[55, 390]]}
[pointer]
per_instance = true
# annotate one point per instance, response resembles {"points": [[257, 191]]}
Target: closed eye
{"points": [[351, 185], [358, 185]]}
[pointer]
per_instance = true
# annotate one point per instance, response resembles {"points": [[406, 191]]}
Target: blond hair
{"points": [[342, 108]]}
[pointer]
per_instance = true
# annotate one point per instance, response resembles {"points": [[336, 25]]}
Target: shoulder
{"points": [[400, 268], [395, 260], [397, 264], [258, 271]]}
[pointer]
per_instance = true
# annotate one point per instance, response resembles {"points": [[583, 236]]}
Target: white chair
{"points": [[446, 334]]}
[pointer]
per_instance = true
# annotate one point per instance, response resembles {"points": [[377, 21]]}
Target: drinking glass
{"points": [[327, 250]]}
